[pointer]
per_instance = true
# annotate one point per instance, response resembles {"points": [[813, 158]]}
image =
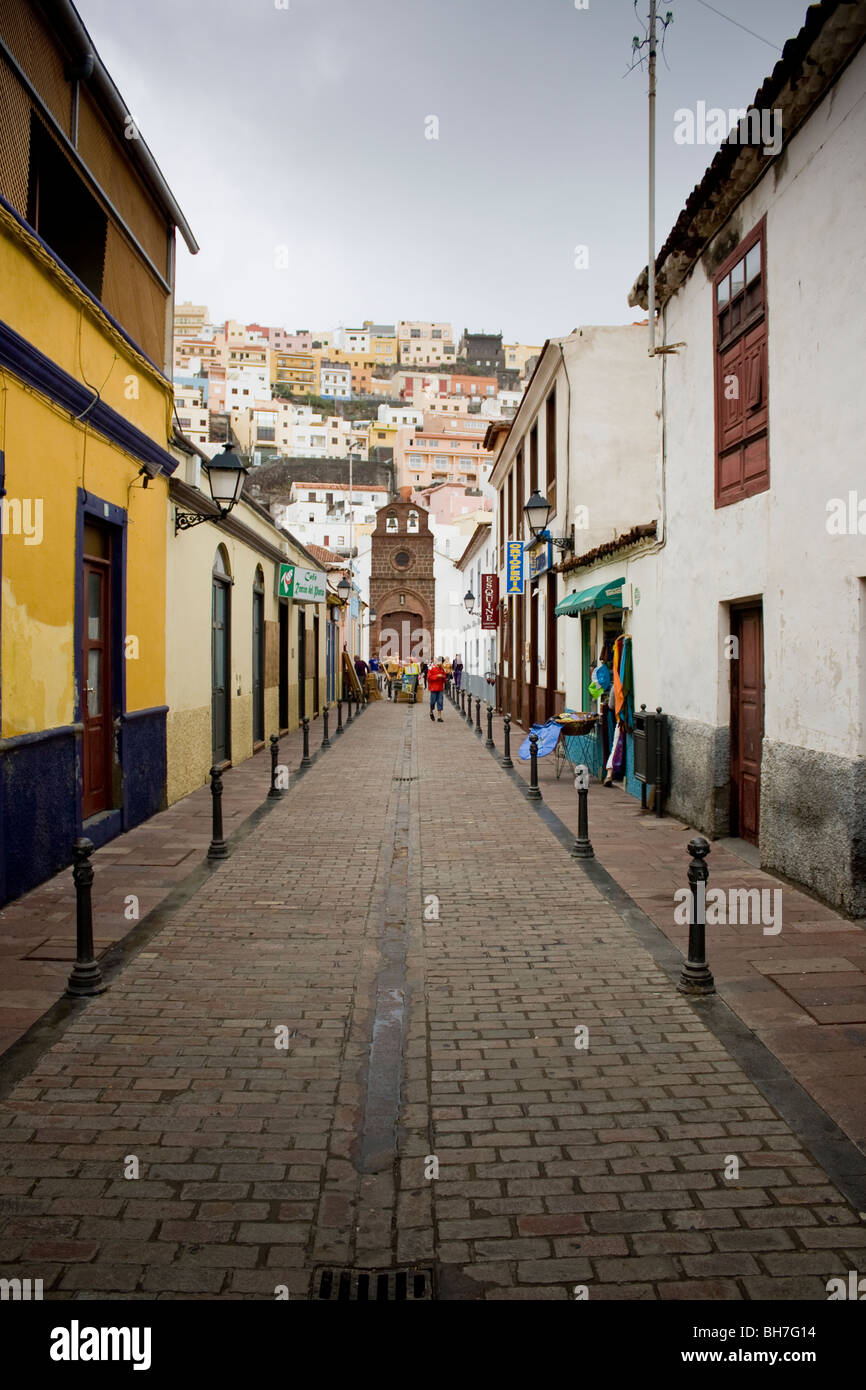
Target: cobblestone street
{"points": [[373, 1056]]}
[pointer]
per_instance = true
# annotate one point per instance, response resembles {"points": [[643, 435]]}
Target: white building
{"points": [[352, 339], [335, 380], [244, 385], [320, 513], [477, 645], [400, 415], [596, 465], [760, 582]]}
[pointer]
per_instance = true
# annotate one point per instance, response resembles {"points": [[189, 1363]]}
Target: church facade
{"points": [[402, 593]]}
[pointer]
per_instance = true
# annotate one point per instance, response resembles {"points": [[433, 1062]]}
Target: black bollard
{"points": [[506, 761], [86, 976], [218, 849], [696, 977], [306, 760], [275, 792], [659, 773], [478, 715], [534, 792], [326, 742], [488, 742], [582, 847], [348, 709], [339, 728]]}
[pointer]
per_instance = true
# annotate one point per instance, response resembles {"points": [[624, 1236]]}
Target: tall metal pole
{"points": [[651, 291]]}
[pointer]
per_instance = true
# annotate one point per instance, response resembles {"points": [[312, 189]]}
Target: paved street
{"points": [[434, 970]]}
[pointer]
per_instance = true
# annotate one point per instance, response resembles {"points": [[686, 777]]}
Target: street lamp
{"points": [[469, 603], [225, 475], [344, 589], [538, 512]]}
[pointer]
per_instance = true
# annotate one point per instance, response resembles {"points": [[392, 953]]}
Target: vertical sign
{"points": [[514, 567], [489, 601]]}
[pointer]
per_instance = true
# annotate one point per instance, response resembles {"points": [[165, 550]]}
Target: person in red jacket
{"points": [[436, 687]]}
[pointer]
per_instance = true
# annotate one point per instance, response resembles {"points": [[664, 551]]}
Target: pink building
{"points": [[447, 502], [280, 340]]}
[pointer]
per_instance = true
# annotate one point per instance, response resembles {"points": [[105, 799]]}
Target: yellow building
{"points": [[299, 371], [87, 231]]}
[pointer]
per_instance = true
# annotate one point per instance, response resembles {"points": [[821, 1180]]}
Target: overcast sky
{"points": [[305, 128]]}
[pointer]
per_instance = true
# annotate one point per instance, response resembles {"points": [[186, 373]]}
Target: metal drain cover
{"points": [[335, 1285]]}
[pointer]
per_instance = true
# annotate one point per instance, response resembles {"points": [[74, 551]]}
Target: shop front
{"points": [[605, 680]]}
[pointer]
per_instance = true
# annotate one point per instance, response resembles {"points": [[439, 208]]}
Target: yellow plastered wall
{"points": [[48, 456]]}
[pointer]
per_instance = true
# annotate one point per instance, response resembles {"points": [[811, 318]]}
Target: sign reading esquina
{"points": [[305, 586]]}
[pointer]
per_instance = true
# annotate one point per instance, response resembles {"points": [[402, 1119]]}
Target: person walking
{"points": [[457, 670], [436, 687]]}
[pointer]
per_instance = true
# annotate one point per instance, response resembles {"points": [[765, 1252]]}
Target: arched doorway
{"points": [[221, 658]]}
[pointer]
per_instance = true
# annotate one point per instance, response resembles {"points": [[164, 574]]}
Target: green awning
{"points": [[600, 596]]}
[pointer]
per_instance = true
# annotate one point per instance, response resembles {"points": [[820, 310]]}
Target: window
{"points": [[740, 319], [311, 497], [550, 446]]}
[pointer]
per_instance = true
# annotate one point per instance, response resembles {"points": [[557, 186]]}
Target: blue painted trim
{"points": [[104, 826], [41, 736], [32, 366], [79, 284], [132, 714]]}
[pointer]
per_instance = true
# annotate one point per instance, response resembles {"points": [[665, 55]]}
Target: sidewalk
{"points": [[802, 991], [37, 931], [414, 1033]]}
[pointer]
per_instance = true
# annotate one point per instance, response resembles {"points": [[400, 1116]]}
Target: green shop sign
{"points": [[305, 586]]}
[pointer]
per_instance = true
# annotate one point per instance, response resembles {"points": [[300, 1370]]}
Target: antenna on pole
{"points": [[651, 263], [648, 46]]}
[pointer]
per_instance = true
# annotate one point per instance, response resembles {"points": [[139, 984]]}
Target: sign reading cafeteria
{"points": [[490, 601], [306, 586], [514, 567]]}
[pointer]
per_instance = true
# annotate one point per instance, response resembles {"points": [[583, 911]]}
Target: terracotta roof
{"points": [[327, 557], [637, 533]]}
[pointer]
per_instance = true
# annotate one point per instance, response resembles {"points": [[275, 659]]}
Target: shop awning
{"points": [[600, 596]]}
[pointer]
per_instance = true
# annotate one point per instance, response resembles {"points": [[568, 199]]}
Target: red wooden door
{"points": [[96, 686], [747, 721]]}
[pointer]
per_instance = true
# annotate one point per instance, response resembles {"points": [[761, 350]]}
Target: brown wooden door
{"points": [[533, 656], [96, 686], [747, 721], [550, 648]]}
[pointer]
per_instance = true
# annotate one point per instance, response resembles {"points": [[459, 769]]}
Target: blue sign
{"points": [[514, 567], [354, 606], [539, 558]]}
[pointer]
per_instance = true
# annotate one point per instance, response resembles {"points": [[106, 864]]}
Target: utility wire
{"points": [[722, 15]]}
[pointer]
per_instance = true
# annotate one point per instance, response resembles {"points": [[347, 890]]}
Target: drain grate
{"points": [[404, 779], [332, 1285]]}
